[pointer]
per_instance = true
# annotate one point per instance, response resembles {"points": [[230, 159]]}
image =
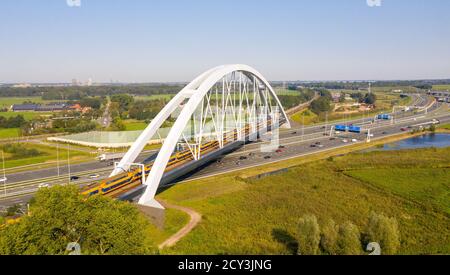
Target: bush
{"points": [[321, 105], [329, 236], [309, 235], [60, 215], [348, 241], [19, 151], [384, 231]]}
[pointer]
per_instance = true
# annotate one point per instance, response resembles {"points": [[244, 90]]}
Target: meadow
{"points": [[441, 87], [48, 155], [134, 125], [246, 215], [9, 133], [153, 97]]}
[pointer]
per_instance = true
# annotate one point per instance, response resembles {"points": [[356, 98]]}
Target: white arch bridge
{"points": [[214, 114]]}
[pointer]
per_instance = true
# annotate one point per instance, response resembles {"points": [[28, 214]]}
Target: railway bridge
{"points": [[216, 113]]}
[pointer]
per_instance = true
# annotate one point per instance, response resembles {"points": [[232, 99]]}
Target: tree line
{"points": [[76, 93]]}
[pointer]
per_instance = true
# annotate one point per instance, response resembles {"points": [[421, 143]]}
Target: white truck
{"points": [[111, 157]]}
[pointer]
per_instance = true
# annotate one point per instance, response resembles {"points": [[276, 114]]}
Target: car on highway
{"points": [[242, 158], [354, 140], [281, 147], [333, 138], [294, 133], [320, 146], [94, 176], [110, 163], [43, 185], [72, 178], [403, 129], [267, 157], [318, 143], [345, 141], [312, 145], [279, 151], [384, 133]]}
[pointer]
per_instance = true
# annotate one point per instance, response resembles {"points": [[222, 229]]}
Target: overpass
{"points": [[215, 114]]}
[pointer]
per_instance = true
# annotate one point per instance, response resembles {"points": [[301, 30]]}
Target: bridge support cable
{"points": [[224, 105]]}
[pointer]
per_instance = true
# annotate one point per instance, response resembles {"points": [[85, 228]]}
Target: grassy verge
{"points": [[26, 115], [244, 215], [9, 133], [174, 221], [444, 126], [48, 155], [135, 125]]}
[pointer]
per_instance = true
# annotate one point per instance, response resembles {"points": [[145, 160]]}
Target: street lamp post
{"points": [[4, 172]]}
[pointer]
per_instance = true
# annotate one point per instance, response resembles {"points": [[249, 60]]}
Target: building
{"points": [[55, 107], [24, 107]]}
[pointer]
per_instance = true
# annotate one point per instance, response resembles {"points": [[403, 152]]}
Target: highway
{"points": [[297, 142]]}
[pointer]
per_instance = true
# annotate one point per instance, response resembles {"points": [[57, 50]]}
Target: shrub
{"points": [[60, 215], [348, 241], [309, 235], [383, 230], [329, 236]]}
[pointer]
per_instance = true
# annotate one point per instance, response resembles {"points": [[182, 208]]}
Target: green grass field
{"points": [[257, 216], [309, 117], [135, 125], [8, 101], [9, 133], [430, 186], [174, 221], [48, 156], [441, 87], [26, 115], [152, 97]]}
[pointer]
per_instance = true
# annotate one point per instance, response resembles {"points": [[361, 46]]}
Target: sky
{"points": [[176, 40]]}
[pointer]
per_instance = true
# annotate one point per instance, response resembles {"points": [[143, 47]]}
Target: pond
{"points": [[425, 141]]}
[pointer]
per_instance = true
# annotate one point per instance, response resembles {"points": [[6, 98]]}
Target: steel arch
{"points": [[194, 92]]}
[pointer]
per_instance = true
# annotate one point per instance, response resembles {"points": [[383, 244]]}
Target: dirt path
{"points": [[195, 218]]}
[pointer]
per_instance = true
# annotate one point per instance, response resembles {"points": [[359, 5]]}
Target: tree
{"points": [[432, 128], [321, 105], [384, 231], [60, 215], [124, 100], [370, 99], [309, 235], [329, 236], [118, 125], [348, 241]]}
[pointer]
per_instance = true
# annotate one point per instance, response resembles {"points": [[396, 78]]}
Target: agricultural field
{"points": [[246, 215], [26, 115], [281, 91], [8, 101], [153, 97], [441, 87]]}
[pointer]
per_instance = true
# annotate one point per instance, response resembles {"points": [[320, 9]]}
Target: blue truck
{"points": [[340, 128], [354, 129], [384, 117]]}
